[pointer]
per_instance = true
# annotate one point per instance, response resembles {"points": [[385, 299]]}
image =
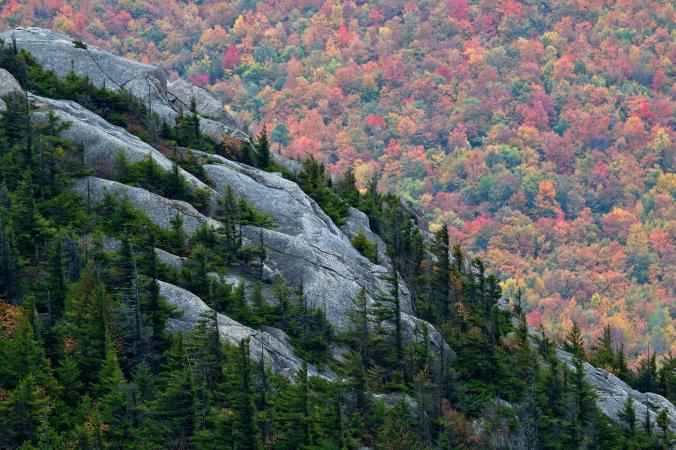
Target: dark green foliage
{"points": [[262, 147], [574, 342], [88, 362], [346, 188], [118, 107], [187, 132], [148, 175], [317, 184], [365, 247]]}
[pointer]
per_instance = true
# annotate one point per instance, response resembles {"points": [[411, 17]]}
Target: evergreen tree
{"points": [[292, 412], [111, 389], [395, 432], [388, 310], [346, 187], [176, 404], [441, 274], [229, 214], [22, 415], [263, 149], [628, 415], [365, 247], [88, 311], [177, 236], [603, 354], [574, 342], [360, 318], [245, 433]]}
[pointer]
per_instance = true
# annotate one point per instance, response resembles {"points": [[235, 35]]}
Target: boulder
{"points": [[293, 166], [612, 393], [216, 130]]}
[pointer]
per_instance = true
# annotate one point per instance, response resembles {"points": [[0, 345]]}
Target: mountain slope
{"points": [[289, 234], [542, 132]]}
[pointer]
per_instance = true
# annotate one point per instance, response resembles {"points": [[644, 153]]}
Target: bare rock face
{"points": [[216, 130], [208, 106], [276, 353], [358, 220], [145, 82], [60, 54], [307, 247], [159, 209], [8, 86], [612, 393], [295, 212], [101, 140], [293, 166]]}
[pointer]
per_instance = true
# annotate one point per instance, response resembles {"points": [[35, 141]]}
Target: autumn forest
{"points": [[541, 132]]}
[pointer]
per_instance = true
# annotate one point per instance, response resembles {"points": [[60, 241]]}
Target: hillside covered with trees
{"points": [[90, 356], [541, 132]]}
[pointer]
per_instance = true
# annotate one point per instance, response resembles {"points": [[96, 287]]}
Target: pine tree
{"points": [[574, 342], [263, 149], [441, 274], [603, 354], [177, 407], [245, 433], [628, 415], [177, 236], [23, 413], [87, 313]]}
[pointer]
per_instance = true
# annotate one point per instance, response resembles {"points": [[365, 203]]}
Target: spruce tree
{"points": [[441, 274], [177, 236], [574, 342], [628, 415], [360, 318], [88, 310], [245, 433], [176, 405], [27, 408], [388, 310], [603, 354], [346, 187], [263, 149]]}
